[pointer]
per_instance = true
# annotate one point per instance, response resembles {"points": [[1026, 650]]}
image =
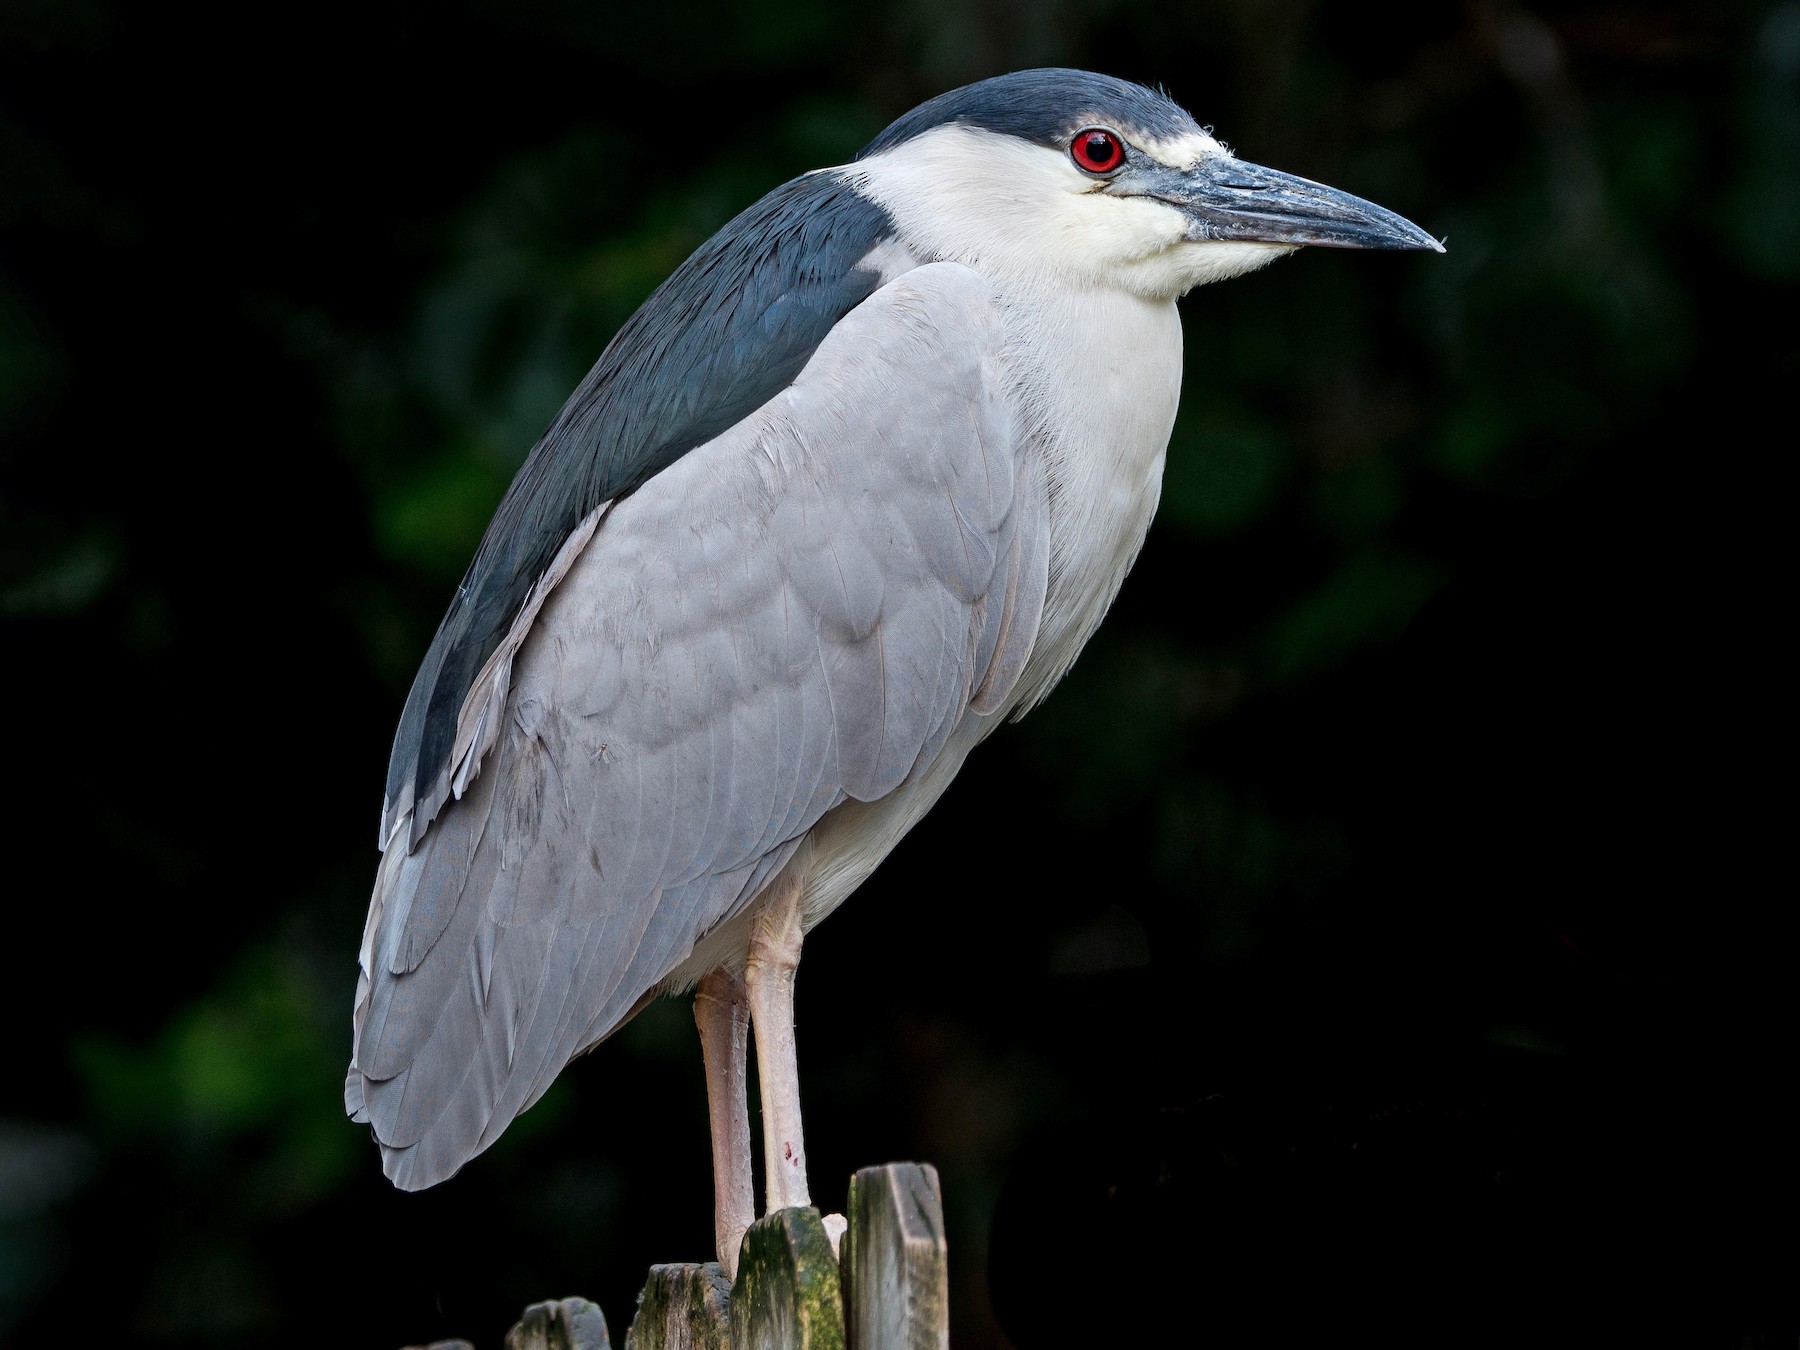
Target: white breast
{"points": [[1100, 375]]}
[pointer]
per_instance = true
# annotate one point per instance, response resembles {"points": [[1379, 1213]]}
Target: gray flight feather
{"points": [[718, 339], [798, 613]]}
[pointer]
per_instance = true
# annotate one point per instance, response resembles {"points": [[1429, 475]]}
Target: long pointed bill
{"points": [[1228, 199]]}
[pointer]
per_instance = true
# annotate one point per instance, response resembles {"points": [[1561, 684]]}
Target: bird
{"points": [[853, 487]]}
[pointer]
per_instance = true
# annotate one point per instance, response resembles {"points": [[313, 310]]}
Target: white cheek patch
{"points": [[1131, 228], [972, 196]]}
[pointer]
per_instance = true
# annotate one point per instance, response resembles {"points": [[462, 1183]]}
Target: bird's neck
{"points": [[1099, 375]]}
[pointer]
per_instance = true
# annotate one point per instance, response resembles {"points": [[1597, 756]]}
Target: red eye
{"points": [[1096, 151]]}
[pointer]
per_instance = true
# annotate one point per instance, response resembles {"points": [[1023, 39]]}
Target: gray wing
{"points": [[729, 329], [797, 613]]}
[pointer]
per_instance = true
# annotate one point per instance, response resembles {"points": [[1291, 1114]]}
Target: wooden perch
{"points": [[890, 1293], [896, 1276], [685, 1307], [786, 1296], [569, 1324]]}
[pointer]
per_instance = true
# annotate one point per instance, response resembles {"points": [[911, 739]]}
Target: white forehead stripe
{"points": [[1183, 152]]}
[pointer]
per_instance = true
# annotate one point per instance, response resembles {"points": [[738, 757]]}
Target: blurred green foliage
{"points": [[241, 1065]]}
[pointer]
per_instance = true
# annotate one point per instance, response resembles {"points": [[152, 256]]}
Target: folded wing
{"points": [[797, 613]]}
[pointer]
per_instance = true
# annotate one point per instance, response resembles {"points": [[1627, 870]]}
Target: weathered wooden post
{"points": [[895, 1260], [683, 1307], [567, 1324], [891, 1291], [787, 1295]]}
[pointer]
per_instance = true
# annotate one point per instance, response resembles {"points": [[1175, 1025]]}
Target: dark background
{"points": [[1380, 936]]}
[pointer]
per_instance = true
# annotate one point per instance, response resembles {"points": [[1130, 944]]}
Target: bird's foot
{"points": [[835, 1225]]}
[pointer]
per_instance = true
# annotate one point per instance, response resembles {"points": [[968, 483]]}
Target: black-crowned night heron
{"points": [[854, 485]]}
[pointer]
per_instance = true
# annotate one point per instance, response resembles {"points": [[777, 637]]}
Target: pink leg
{"points": [[769, 976], [723, 1016]]}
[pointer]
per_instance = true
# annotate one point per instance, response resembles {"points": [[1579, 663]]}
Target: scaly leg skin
{"points": [[722, 1013], [769, 975]]}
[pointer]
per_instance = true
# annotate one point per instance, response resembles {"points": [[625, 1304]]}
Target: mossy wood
{"points": [[895, 1260], [892, 1293], [566, 1324], [683, 1307], [787, 1295]]}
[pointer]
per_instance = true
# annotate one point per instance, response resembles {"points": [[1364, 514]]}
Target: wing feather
{"points": [[797, 613]]}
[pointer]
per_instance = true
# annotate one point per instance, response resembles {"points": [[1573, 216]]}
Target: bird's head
{"points": [[1099, 182]]}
